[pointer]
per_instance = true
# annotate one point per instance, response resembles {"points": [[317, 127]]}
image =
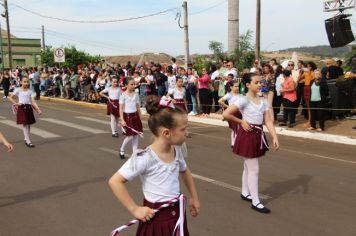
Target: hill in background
{"points": [[320, 51]]}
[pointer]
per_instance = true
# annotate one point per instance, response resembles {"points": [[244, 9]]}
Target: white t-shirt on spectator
{"points": [[176, 93], [130, 102], [214, 75], [114, 93], [160, 180], [231, 71], [251, 112], [24, 96], [172, 82], [230, 98]]}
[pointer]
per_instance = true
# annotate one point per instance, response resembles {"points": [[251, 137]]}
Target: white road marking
{"points": [[319, 156], [195, 176], [94, 120], [75, 126], [36, 131]]}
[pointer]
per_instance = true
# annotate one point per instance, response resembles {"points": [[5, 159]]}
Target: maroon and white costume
{"points": [[25, 111], [113, 107], [251, 144], [131, 116], [133, 127], [160, 184], [230, 98], [178, 96]]}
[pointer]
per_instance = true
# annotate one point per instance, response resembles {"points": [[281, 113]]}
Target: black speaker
{"points": [[339, 31]]}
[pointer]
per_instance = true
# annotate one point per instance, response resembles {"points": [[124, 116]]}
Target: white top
{"points": [[251, 112], [231, 98], [214, 75], [160, 180], [172, 82], [231, 71], [176, 93], [130, 102], [24, 96], [114, 93]]}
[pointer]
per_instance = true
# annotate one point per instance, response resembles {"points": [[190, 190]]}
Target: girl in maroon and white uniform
{"points": [[230, 98], [178, 94], [130, 115], [251, 141], [24, 107], [113, 107], [159, 167]]}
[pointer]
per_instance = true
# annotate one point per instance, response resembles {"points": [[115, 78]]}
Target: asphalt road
{"points": [[60, 186]]}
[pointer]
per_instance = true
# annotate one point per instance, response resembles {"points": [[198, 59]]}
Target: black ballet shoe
{"points": [[30, 145], [264, 210], [122, 155], [246, 198]]}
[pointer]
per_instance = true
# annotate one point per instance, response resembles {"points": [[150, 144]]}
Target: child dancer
{"points": [[26, 101], [6, 143], [130, 115], [178, 94], [250, 140], [113, 105], [159, 167], [230, 98]]}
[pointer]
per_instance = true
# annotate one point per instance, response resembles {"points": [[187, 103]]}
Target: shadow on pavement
{"points": [[297, 185], [67, 189]]}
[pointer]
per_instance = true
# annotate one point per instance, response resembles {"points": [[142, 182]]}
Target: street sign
{"points": [[59, 55]]}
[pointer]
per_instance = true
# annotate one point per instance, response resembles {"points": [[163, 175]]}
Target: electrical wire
{"points": [[94, 21], [209, 8]]}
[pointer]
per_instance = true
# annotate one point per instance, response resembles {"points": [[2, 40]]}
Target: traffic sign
{"points": [[59, 55]]}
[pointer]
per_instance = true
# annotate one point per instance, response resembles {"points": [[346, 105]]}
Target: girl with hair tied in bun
{"points": [[250, 142], [159, 167], [130, 115]]}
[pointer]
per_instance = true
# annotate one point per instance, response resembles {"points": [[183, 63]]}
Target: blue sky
{"points": [[285, 23]]}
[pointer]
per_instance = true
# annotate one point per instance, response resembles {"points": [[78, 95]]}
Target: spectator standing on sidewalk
{"points": [[289, 99], [205, 93], [5, 81], [36, 83]]}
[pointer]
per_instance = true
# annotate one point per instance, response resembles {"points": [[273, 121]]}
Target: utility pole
{"points": [[8, 34], [43, 40], [233, 26], [186, 34], [258, 30], [2, 53]]}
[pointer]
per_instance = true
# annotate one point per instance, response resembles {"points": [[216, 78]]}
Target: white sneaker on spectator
{"points": [[192, 113]]}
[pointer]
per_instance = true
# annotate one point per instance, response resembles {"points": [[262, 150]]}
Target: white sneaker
{"points": [[192, 113]]}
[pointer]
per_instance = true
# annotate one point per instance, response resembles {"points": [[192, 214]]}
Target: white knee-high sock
{"points": [[135, 140], [26, 132], [252, 178], [113, 123], [233, 136], [245, 191], [124, 143]]}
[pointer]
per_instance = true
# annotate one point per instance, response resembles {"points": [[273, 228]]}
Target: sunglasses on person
{"points": [[290, 64]]}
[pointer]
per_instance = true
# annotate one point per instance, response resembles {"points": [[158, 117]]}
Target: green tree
{"points": [[218, 50], [244, 55], [350, 63], [73, 57]]}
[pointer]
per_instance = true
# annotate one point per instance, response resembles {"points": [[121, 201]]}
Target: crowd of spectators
{"points": [[301, 87]]}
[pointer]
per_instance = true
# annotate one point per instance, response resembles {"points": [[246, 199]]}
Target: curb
{"points": [[217, 121]]}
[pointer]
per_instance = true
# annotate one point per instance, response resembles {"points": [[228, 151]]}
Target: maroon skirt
{"points": [[113, 108], [163, 223], [134, 124], [25, 115], [180, 103], [250, 144], [307, 92], [234, 126]]}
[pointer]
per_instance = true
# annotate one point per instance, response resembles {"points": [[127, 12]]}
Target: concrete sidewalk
{"points": [[337, 136]]}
